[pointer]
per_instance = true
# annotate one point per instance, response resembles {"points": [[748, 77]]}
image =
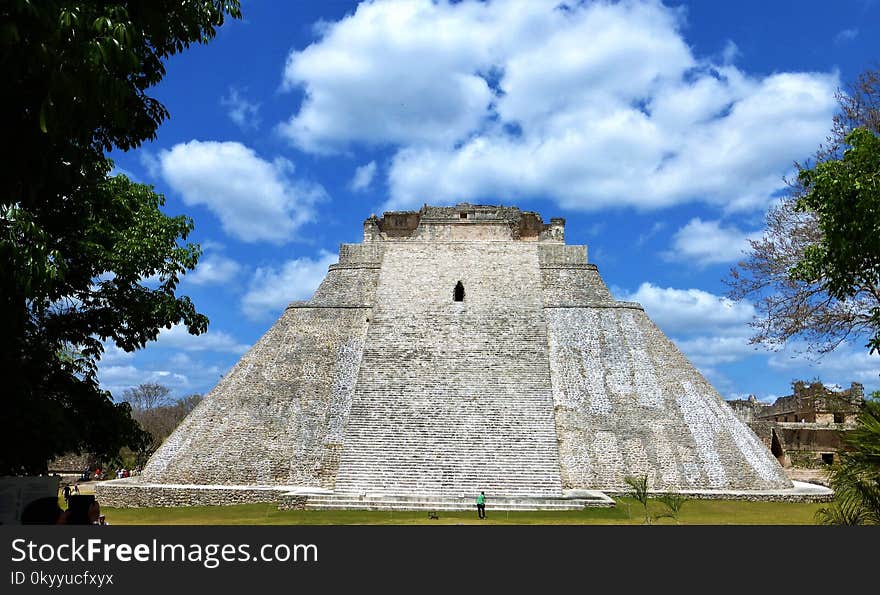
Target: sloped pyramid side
{"points": [[278, 417], [628, 402]]}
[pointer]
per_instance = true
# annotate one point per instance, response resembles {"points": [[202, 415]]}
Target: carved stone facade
{"points": [[458, 350], [805, 428]]}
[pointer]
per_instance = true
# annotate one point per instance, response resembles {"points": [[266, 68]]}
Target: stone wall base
{"points": [[130, 493], [801, 492]]}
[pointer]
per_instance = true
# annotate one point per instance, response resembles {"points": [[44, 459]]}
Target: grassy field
{"points": [[627, 512]]}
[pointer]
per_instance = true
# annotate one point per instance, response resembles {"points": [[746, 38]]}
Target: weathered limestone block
{"points": [[129, 493]]}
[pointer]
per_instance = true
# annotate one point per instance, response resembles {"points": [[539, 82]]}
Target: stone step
{"points": [[452, 398], [433, 502]]}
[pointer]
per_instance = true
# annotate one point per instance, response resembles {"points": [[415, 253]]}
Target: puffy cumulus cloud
{"points": [[708, 242], [505, 99], [255, 199], [363, 177], [177, 337], [848, 362], [271, 289], [691, 310], [402, 72], [214, 269]]}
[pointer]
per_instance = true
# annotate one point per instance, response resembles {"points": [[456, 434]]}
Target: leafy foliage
{"points": [[673, 504], [77, 245], [796, 301], [844, 195], [639, 491], [856, 479]]}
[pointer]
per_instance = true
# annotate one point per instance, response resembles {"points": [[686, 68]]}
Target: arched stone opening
{"points": [[458, 292]]}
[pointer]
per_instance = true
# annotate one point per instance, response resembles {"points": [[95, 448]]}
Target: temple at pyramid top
{"points": [[464, 222]]}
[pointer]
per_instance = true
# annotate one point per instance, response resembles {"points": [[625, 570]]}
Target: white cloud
{"points": [[691, 310], [181, 360], [150, 162], [254, 199], [710, 330], [114, 355], [713, 331], [730, 52], [391, 73], [177, 337], [488, 99], [118, 171], [847, 363], [271, 289], [708, 242], [712, 350], [363, 177], [180, 373], [118, 378], [245, 114], [213, 269]]}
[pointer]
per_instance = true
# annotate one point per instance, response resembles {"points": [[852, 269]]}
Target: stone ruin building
{"points": [[456, 350], [805, 428]]}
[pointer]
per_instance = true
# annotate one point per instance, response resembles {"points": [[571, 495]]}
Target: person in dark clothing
{"points": [[67, 494], [481, 505]]}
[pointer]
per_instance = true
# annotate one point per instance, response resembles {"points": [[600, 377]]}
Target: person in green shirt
{"points": [[481, 505]]}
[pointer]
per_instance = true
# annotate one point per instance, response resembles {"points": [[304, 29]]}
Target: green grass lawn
{"points": [[627, 512]]}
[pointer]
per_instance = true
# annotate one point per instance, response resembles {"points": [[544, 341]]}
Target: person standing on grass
{"points": [[481, 505]]}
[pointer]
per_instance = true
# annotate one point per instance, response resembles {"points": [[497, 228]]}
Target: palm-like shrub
{"points": [[639, 491], [673, 504], [856, 480]]}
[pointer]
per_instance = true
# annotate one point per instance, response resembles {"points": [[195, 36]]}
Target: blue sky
{"points": [[661, 131]]}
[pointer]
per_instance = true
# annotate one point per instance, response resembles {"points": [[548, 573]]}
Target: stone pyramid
{"points": [[460, 349]]}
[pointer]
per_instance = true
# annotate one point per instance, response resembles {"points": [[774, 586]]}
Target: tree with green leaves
{"points": [[805, 274], [844, 196], [87, 258]]}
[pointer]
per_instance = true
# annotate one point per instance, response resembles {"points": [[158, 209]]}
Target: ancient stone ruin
{"points": [[804, 429], [456, 350]]}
